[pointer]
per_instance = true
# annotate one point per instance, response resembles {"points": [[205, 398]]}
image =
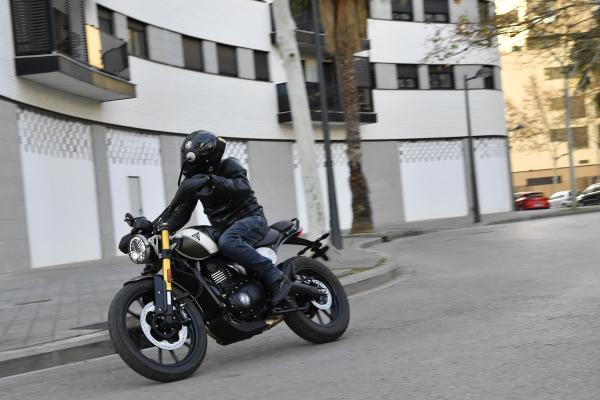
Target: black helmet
{"points": [[201, 153]]}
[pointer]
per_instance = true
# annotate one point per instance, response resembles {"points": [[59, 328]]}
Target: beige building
{"points": [[533, 86]]}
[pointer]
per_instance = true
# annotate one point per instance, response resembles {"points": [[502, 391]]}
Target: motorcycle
{"points": [[159, 321]]}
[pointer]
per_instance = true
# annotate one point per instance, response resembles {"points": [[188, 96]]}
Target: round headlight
{"points": [[139, 249]]}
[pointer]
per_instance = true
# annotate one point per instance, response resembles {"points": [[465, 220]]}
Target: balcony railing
{"points": [[333, 100], [52, 40]]}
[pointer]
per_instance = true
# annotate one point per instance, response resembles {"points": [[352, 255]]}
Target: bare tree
{"points": [[534, 119]]}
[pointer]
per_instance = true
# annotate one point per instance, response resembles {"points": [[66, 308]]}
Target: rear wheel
{"points": [[157, 350], [326, 318]]}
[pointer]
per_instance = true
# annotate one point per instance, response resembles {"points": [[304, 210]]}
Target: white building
{"points": [[89, 133]]}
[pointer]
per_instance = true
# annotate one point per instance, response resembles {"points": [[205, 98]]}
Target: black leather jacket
{"points": [[226, 198]]}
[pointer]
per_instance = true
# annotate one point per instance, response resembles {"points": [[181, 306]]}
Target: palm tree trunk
{"points": [[361, 208]]}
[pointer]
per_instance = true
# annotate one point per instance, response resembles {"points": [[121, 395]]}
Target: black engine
{"points": [[245, 296]]}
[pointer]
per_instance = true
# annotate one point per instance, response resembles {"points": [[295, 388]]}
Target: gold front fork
{"points": [[165, 297], [166, 261]]}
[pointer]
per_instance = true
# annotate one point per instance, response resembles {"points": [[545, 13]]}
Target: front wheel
{"points": [[155, 349], [327, 318]]}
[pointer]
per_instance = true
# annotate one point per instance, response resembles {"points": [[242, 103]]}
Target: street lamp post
{"points": [[334, 224], [482, 73]]}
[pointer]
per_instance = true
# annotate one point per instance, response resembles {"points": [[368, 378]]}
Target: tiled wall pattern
{"points": [[430, 151], [338, 154], [490, 148], [45, 135], [126, 147], [239, 150]]}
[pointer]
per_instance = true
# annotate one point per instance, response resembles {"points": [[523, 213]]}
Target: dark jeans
{"points": [[237, 242]]}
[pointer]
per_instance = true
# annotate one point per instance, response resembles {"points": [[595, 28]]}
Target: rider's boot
{"points": [[279, 290]]}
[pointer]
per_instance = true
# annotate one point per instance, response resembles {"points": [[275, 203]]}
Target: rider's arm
{"points": [[177, 218], [235, 183]]}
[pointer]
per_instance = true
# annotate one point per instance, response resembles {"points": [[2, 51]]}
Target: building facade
{"points": [[531, 71], [95, 97]]}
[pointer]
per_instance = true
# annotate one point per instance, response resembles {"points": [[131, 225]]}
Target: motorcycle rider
{"points": [[230, 205]]}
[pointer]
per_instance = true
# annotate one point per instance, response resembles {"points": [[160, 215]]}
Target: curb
{"points": [[563, 213], [98, 344], [385, 237]]}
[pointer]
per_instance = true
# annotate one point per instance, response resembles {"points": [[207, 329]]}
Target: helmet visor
{"points": [[206, 148]]}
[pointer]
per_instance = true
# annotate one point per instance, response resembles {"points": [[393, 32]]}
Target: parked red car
{"points": [[531, 201]]}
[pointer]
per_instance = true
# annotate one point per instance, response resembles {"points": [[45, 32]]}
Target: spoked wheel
{"points": [[151, 346], [327, 317]]}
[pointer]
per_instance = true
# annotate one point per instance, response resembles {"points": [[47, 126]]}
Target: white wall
{"points": [[493, 180], [242, 23], [342, 185], [134, 154], [414, 43], [169, 99], [408, 114], [433, 179], [60, 190]]}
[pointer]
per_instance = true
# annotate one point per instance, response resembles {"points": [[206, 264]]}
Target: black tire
{"points": [[302, 324], [133, 356]]}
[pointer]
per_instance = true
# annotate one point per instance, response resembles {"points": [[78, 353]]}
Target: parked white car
{"points": [[560, 199]]}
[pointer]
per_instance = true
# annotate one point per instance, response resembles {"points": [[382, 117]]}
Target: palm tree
{"points": [[345, 24]]}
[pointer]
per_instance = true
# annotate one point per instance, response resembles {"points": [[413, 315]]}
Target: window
{"points": [[136, 46], [441, 77], [488, 82], [554, 73], [402, 10], [543, 8], [484, 10], [577, 106], [580, 136], [436, 11], [105, 20], [408, 76], [545, 180], [192, 54], [227, 60], [261, 65], [543, 42]]}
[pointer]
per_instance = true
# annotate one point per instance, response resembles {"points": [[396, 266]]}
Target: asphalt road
{"points": [[503, 312]]}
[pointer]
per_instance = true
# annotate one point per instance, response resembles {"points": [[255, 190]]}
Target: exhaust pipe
{"points": [[305, 290]]}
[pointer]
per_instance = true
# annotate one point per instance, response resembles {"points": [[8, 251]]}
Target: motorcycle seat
{"points": [[271, 237], [282, 226]]}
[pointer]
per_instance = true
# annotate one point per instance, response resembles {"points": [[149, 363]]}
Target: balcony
{"points": [[336, 115], [53, 47]]}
